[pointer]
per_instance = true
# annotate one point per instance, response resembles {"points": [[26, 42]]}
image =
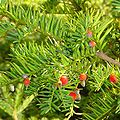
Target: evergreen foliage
{"points": [[48, 39]]}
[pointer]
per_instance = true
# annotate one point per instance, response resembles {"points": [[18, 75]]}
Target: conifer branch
{"points": [[106, 58]]}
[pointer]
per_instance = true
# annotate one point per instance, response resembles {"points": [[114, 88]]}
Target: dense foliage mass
{"points": [[59, 59]]}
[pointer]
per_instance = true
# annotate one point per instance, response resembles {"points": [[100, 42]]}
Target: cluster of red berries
{"points": [[83, 77], [64, 81], [91, 43], [74, 94]]}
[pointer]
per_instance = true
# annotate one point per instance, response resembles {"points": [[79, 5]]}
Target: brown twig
{"points": [[106, 58]]}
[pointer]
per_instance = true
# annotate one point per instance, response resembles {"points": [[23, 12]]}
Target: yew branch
{"points": [[106, 58]]}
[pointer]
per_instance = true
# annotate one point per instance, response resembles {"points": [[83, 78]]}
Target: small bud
{"points": [[83, 83], [77, 91], [78, 97], [59, 84], [24, 76], [89, 33]]}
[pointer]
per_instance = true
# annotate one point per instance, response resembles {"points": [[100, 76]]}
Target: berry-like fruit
{"points": [[73, 95], [113, 78], [89, 33], [64, 80], [26, 82], [77, 91], [83, 76], [92, 43]]}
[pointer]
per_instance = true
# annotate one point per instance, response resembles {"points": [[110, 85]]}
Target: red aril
{"points": [[64, 80], [83, 76], [73, 95], [113, 78], [26, 82], [92, 43]]}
